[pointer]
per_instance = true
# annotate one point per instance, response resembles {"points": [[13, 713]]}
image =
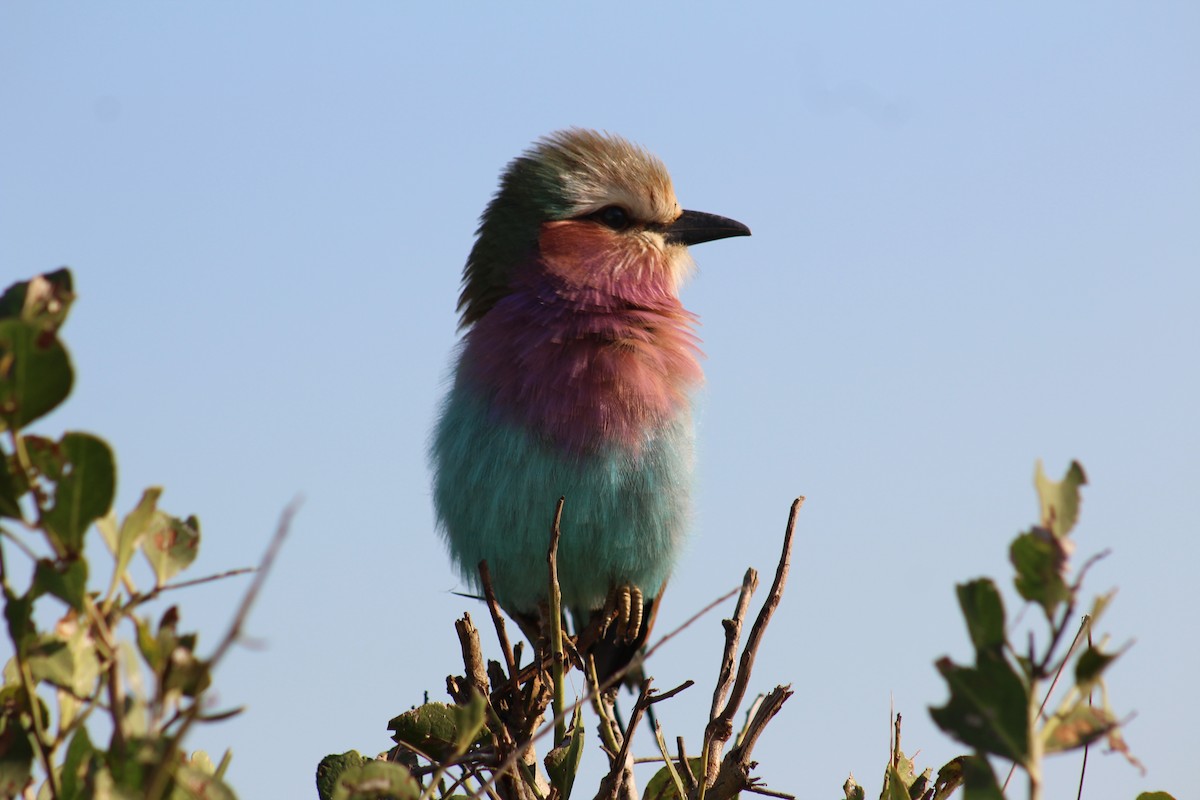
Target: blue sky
{"points": [[975, 244]]}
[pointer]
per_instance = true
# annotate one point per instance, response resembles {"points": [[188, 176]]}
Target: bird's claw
{"points": [[624, 608]]}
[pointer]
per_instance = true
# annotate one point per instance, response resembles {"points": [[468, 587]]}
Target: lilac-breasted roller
{"points": [[575, 378]]}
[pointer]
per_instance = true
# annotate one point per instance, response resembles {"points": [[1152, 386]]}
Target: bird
{"points": [[575, 377]]}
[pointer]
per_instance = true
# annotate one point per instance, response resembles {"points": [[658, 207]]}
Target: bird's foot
{"points": [[624, 609]]}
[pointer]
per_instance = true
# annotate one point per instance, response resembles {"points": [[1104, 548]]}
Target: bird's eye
{"points": [[614, 217]]}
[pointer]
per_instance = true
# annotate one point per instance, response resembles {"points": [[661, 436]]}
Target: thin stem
{"points": [[162, 774], [39, 731], [1083, 766], [489, 595], [689, 777], [556, 634], [607, 736], [1083, 625], [676, 778], [138, 599], [720, 728], [24, 548]]}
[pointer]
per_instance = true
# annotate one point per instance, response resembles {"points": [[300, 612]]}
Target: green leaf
{"points": [[1059, 501], [76, 764], [1081, 726], [13, 485], [1154, 796], [949, 778], [194, 783], [469, 721], [18, 612], [979, 781], [331, 768], [562, 763], [988, 707], [201, 761], [903, 774], [662, 785], [84, 493], [853, 790], [432, 728], [123, 543], [45, 456], [1041, 563], [1090, 667], [894, 788], [177, 667], [66, 579], [376, 780], [42, 301], [16, 754], [984, 612], [187, 674], [1099, 606], [170, 545], [35, 373], [83, 651], [148, 645], [50, 659]]}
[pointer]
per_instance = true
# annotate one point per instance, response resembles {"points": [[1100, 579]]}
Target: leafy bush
{"points": [[66, 682]]}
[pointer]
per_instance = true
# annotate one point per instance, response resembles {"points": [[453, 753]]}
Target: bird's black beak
{"points": [[697, 227]]}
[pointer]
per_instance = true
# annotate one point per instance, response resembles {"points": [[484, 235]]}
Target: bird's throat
{"points": [[585, 372]]}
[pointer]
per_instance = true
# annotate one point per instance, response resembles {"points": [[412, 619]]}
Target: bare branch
{"points": [[489, 594], [468, 639], [620, 774], [756, 789], [689, 777], [733, 635], [138, 598], [720, 728]]}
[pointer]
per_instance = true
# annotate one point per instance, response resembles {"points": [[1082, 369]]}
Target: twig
{"points": [[751, 710], [468, 640], [1083, 625], [618, 773], [24, 548], [770, 792], [672, 770], [138, 599], [489, 595], [607, 726], [1039, 669], [163, 773], [556, 634], [689, 777], [658, 698], [771, 705], [668, 637], [733, 635], [720, 728], [1087, 565], [40, 735], [1083, 766], [264, 569]]}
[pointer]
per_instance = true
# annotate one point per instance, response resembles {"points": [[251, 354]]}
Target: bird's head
{"points": [[593, 211]]}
